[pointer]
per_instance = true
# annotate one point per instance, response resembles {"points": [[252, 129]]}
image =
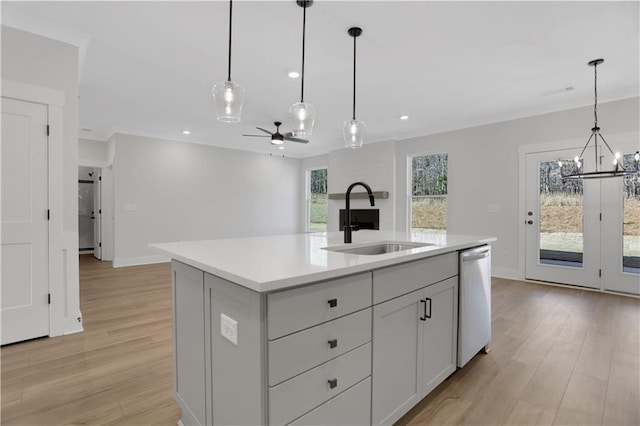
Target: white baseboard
{"points": [[507, 273], [143, 260], [73, 326]]}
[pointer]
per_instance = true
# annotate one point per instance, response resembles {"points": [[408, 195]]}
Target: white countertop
{"points": [[276, 262]]}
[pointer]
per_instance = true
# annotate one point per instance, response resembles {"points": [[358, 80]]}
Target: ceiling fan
{"points": [[278, 138]]}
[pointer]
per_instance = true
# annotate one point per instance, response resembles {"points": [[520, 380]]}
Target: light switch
{"points": [[229, 329]]}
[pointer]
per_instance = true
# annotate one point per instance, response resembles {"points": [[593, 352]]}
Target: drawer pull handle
{"points": [[424, 306], [333, 303], [333, 343], [425, 312], [333, 383]]}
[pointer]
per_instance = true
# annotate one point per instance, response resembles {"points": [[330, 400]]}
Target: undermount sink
{"points": [[378, 248]]}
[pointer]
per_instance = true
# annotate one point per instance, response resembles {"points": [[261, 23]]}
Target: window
{"points": [[317, 200], [428, 196]]}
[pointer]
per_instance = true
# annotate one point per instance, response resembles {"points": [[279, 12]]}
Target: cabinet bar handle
{"points": [[425, 305], [424, 309], [333, 383], [333, 303], [333, 343]]}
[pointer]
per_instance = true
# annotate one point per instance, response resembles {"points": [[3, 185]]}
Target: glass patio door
{"points": [[583, 232], [562, 222], [621, 231]]}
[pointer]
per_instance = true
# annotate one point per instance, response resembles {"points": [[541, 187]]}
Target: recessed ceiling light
{"points": [[404, 117], [294, 74], [84, 129], [568, 88], [281, 147], [186, 132]]}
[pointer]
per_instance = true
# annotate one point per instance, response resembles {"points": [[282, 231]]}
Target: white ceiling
{"points": [[149, 66]]}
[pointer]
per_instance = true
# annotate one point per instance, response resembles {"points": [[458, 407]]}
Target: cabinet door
{"points": [[397, 357], [439, 343]]}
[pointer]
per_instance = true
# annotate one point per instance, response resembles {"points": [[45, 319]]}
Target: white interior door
{"points": [[562, 222], [97, 214], [25, 263]]}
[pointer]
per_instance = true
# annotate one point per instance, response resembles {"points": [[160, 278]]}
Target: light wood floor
{"points": [[559, 356]]}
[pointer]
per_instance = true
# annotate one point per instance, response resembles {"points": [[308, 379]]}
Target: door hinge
{"points": [[100, 178], [49, 298], [48, 214], [600, 217], [99, 211], [600, 273], [47, 130], [99, 244]]}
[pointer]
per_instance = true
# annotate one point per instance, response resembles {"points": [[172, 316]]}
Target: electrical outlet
{"points": [[229, 329]]}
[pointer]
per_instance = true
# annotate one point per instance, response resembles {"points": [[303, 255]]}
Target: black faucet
{"points": [[348, 227]]}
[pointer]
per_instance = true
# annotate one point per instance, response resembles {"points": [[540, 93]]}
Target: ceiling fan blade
{"points": [[258, 136], [264, 130], [292, 139]]}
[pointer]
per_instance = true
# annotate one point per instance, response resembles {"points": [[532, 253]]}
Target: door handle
{"points": [[424, 310], [529, 222]]}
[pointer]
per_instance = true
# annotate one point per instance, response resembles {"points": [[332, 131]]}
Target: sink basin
{"points": [[378, 248]]}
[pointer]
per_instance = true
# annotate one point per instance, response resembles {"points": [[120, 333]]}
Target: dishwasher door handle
{"points": [[476, 254]]}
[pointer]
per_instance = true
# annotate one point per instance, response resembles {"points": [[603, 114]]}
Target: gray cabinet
{"points": [[319, 352], [397, 352], [302, 355], [361, 349], [440, 333], [414, 336], [188, 343]]}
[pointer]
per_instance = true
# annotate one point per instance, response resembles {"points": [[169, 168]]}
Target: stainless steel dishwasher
{"points": [[474, 306]]}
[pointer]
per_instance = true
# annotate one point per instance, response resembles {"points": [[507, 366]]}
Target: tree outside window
{"points": [[317, 202], [429, 193]]}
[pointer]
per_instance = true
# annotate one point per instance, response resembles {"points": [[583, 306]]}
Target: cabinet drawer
{"points": [[397, 280], [299, 352], [291, 399], [352, 408], [293, 310]]}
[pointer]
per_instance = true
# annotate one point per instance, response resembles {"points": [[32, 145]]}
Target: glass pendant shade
{"points": [[353, 132], [228, 97], [302, 116]]}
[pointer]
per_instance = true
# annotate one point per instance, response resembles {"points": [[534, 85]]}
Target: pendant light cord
{"points": [[230, 21], [304, 28], [354, 77], [595, 93]]}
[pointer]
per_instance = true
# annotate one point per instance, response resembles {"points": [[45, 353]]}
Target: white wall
{"points": [[483, 170], [39, 61], [186, 191], [92, 153], [373, 164]]}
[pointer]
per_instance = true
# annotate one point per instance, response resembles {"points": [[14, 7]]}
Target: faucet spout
{"points": [[348, 228]]}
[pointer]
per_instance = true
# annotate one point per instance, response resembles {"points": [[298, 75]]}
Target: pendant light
{"points": [[302, 115], [353, 130], [228, 95], [618, 166]]}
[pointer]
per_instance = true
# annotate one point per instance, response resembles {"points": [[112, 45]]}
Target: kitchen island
{"points": [[292, 329]]}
